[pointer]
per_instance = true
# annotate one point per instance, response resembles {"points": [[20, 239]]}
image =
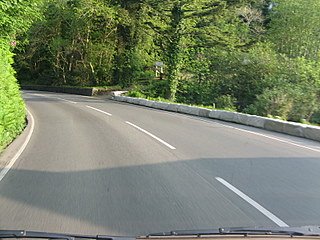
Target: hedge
{"points": [[12, 107]]}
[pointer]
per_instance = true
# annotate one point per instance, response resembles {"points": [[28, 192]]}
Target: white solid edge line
{"points": [[249, 200], [96, 109], [151, 135], [37, 94], [65, 100], [258, 134], [6, 169], [90, 97], [42, 95], [247, 131], [270, 137]]}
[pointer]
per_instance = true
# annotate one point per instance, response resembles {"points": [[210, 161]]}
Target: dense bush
{"points": [[12, 108], [16, 18], [294, 93]]}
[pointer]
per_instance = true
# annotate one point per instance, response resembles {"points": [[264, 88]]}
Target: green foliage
{"points": [[193, 92], [225, 102], [156, 88], [78, 48], [295, 103], [136, 94], [183, 25], [273, 103], [294, 28], [245, 74], [315, 118], [254, 56], [17, 16], [12, 108], [131, 55], [294, 94]]}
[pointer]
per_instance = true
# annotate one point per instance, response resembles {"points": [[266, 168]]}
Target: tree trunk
{"points": [[173, 55]]}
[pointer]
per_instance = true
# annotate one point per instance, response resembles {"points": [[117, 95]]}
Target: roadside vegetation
{"points": [[15, 17], [254, 56]]}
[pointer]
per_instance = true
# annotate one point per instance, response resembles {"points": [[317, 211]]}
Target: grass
{"points": [[160, 99]]}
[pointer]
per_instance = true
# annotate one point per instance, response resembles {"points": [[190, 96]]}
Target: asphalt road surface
{"points": [[96, 166]]}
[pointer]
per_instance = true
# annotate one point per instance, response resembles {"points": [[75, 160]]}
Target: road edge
{"points": [[275, 125], [10, 155]]}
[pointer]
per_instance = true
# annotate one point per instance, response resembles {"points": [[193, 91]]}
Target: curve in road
{"points": [[87, 170]]}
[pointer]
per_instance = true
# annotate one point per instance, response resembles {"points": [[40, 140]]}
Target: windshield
{"points": [[146, 117]]}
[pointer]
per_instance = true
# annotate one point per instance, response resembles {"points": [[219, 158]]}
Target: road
{"points": [[98, 166]]}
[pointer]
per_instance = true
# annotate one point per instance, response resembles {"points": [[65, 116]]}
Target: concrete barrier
{"points": [[215, 114], [118, 93], [149, 103], [222, 115], [188, 110], [290, 128], [241, 118], [274, 125], [130, 100], [161, 105], [119, 98], [142, 102], [135, 101], [312, 133], [254, 121], [203, 112], [227, 116], [295, 129], [173, 107]]}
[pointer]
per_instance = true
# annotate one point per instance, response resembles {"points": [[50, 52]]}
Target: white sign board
{"points": [[159, 64]]}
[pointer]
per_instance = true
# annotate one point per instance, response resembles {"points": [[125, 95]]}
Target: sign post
{"points": [[159, 69]]}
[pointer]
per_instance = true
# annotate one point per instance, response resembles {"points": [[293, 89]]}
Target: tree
{"points": [[130, 41], [200, 25], [72, 45], [16, 17], [294, 28]]}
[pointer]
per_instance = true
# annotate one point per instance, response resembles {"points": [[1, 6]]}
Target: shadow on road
{"points": [[158, 197]]}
